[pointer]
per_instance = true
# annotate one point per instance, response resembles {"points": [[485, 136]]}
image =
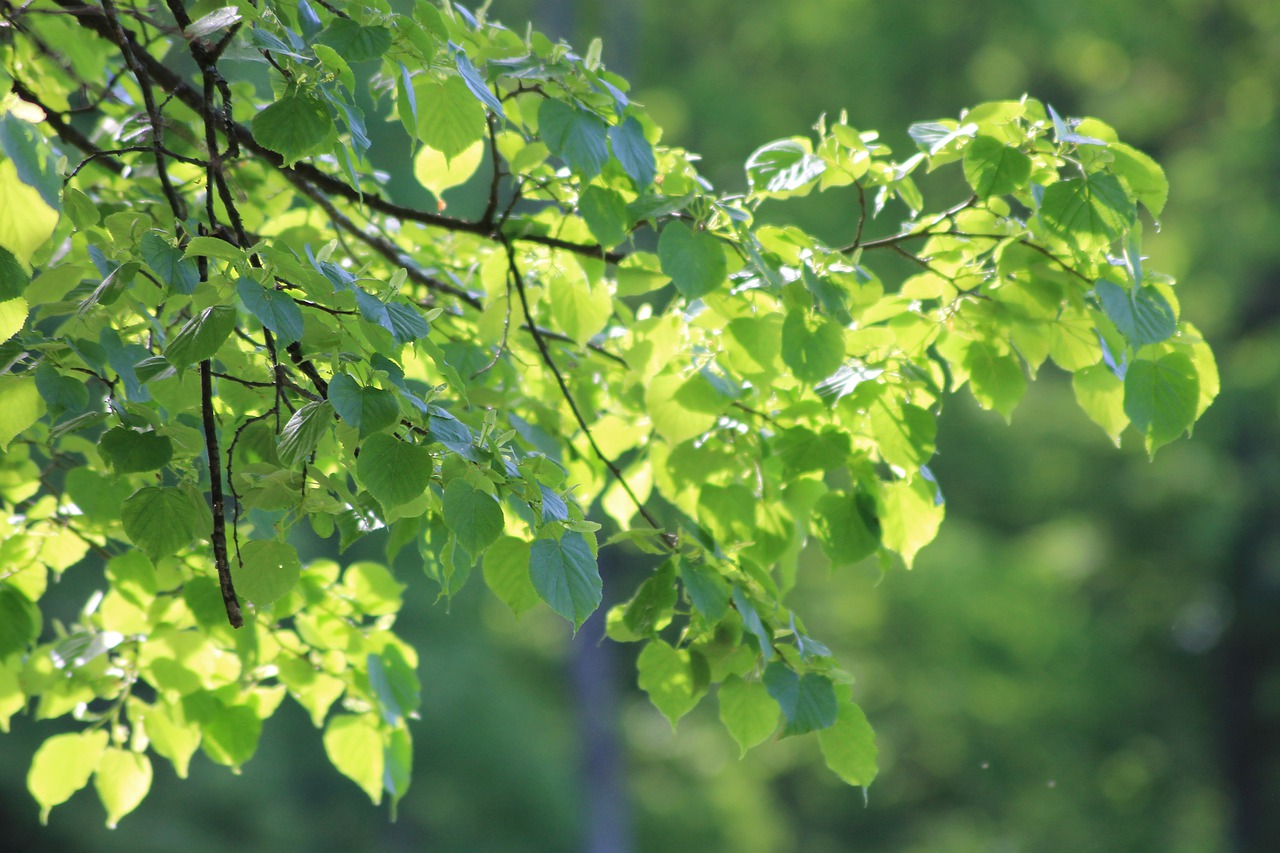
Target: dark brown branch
{"points": [[219, 535]]}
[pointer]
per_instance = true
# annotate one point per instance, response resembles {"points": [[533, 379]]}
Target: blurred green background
{"points": [[1087, 659]]}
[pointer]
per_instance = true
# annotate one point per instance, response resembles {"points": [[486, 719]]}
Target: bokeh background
{"points": [[1087, 659]]}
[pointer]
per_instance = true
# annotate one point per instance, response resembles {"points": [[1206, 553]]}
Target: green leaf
{"points": [[506, 573], [666, 674], [438, 173], [605, 214], [667, 403], [162, 520], [302, 433], [128, 451], [784, 168], [1101, 394], [1161, 397], [394, 471], [574, 135], [996, 378], [177, 271], [62, 765], [812, 347], [1142, 174], [808, 702], [1092, 210], [214, 247], [634, 152], [650, 609], [171, 734], [354, 746], [26, 220], [843, 532], [747, 711], [395, 684], [274, 309], [909, 515], [905, 434], [849, 746], [266, 570], [355, 43], [580, 309], [298, 125], [398, 767], [993, 168], [201, 337], [693, 259], [476, 84], [708, 591], [1142, 315], [564, 573], [231, 734], [34, 159], [473, 515], [368, 409], [13, 278], [122, 779], [19, 621], [450, 119], [20, 406]]}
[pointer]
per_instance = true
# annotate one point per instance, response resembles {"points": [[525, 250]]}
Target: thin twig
{"points": [[219, 537]]}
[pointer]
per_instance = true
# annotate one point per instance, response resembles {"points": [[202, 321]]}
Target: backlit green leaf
{"points": [[298, 125], [1092, 210], [356, 43], [784, 168], [849, 746], [812, 347], [634, 152], [354, 746], [62, 765], [20, 406], [130, 452], [122, 780], [302, 433], [450, 119], [506, 572], [1142, 314], [666, 674], [747, 711], [993, 168], [693, 259]]}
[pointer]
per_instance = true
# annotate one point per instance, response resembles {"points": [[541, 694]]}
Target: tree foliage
{"points": [[223, 331]]}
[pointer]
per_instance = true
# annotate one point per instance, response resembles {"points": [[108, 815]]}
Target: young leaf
{"points": [[812, 349], [605, 214], [1092, 211], [450, 119], [564, 573], [784, 168], [20, 406]]}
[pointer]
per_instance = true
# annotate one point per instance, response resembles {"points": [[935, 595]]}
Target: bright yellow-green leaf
{"points": [[20, 406], [354, 746], [1101, 394], [26, 220], [13, 314], [62, 765], [849, 746], [909, 516], [437, 172], [122, 779]]}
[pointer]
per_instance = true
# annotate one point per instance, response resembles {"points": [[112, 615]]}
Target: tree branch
{"points": [[219, 536]]}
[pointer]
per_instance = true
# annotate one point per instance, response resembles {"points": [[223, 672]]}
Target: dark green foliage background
{"points": [[1087, 657]]}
